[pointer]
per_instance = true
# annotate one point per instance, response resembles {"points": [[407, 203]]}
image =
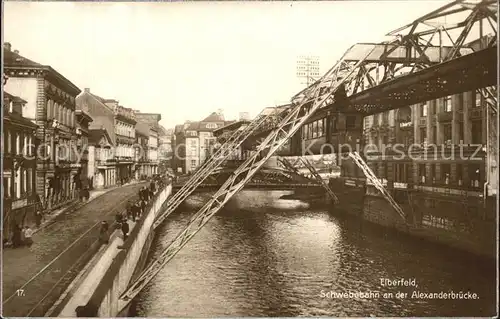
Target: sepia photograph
{"points": [[211, 159]]}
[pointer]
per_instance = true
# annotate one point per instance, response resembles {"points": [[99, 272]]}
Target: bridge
{"points": [[426, 59]]}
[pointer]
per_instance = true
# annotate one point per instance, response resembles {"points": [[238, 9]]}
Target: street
{"points": [[19, 265]]}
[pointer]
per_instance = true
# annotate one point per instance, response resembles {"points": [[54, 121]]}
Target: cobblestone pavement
{"points": [[21, 264]]}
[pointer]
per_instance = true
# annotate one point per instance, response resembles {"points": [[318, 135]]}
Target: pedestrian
{"points": [[103, 233], [152, 186], [16, 236], [150, 193], [118, 217], [28, 234], [143, 206], [125, 230], [38, 218]]}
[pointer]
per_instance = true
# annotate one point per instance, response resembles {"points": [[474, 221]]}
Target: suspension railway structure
{"points": [[427, 60]]}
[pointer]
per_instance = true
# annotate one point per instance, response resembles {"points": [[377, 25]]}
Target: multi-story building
{"points": [[152, 121], [141, 156], [124, 122], [164, 144], [103, 173], [51, 106], [82, 146], [193, 142], [101, 161], [20, 200]]}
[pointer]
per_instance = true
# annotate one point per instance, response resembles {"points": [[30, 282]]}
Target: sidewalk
{"points": [[33, 278]]}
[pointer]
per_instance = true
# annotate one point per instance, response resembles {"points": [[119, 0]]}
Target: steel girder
{"points": [[318, 177], [296, 117], [213, 163], [358, 160], [416, 47]]}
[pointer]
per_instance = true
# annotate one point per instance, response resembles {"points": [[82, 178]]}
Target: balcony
{"points": [[444, 117]]}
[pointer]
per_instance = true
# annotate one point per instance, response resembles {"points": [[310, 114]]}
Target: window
{"points": [[447, 133], [18, 144], [6, 186], [423, 110], [211, 125], [433, 173], [447, 104], [350, 122], [320, 128], [423, 135], [401, 171], [460, 172], [25, 180], [334, 124], [445, 173], [384, 170], [193, 163], [25, 145], [475, 175], [385, 118], [17, 183], [478, 100], [421, 173], [315, 129], [477, 131], [460, 132], [434, 134]]}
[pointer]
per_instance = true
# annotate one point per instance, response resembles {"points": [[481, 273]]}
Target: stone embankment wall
{"points": [[127, 264]]}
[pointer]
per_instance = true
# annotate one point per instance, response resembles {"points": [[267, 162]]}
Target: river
{"points": [[261, 256]]}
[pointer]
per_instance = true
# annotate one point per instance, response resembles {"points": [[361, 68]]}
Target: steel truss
{"points": [[419, 45], [295, 118], [358, 160], [213, 163], [318, 177]]}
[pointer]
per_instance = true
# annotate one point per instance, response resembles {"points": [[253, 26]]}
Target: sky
{"points": [[186, 60]]}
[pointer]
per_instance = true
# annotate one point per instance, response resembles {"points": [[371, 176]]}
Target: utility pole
{"points": [[308, 68]]}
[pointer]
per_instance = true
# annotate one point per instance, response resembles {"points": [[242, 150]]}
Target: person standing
{"points": [[103, 233], [38, 218], [16, 236], [28, 234], [125, 230]]}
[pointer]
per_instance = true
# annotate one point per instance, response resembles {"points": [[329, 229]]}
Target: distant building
{"points": [[148, 124], [244, 116], [103, 119], [51, 105], [20, 200], [193, 142]]}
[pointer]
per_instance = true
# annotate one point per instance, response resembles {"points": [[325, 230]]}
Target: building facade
{"points": [[20, 200], [101, 162], [82, 146], [51, 106], [124, 123]]}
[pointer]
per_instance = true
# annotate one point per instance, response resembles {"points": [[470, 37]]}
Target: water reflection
{"points": [[266, 257]]}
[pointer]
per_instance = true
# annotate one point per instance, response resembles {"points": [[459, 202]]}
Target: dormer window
{"points": [[211, 125], [11, 106]]}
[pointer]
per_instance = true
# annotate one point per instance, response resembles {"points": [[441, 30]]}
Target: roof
{"points": [[13, 59], [178, 129], [95, 136], [231, 125], [214, 117], [87, 101], [193, 126], [162, 131], [18, 119], [142, 128], [13, 98]]}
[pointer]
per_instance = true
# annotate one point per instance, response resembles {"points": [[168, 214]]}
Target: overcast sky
{"points": [[185, 60]]}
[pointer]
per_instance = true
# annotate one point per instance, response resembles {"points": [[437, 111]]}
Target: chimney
{"points": [[16, 51], [86, 90], [7, 46]]}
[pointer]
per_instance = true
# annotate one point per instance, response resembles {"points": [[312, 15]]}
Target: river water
{"points": [[261, 256]]}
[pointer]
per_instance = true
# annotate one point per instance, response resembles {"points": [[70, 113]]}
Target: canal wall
{"points": [[127, 261], [461, 223]]}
